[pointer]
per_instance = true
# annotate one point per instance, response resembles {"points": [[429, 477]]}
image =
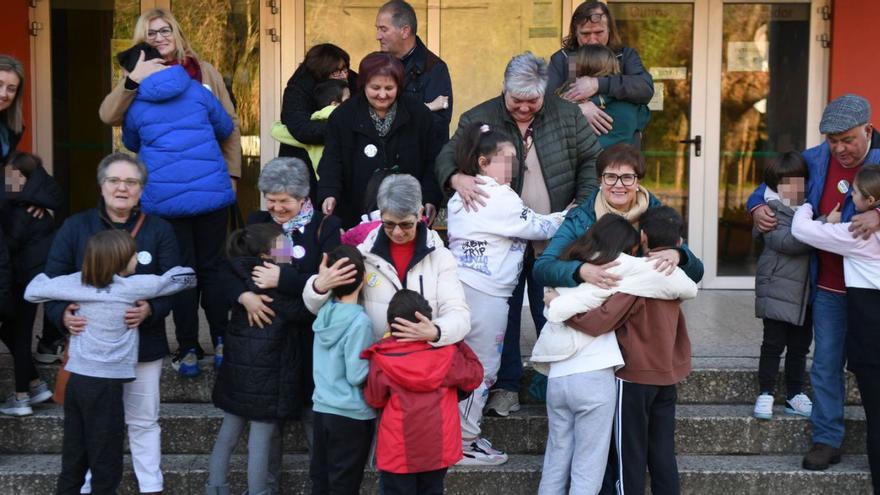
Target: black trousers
{"points": [[644, 439], [795, 341], [94, 429], [427, 483], [340, 449], [201, 240], [17, 335], [868, 380]]}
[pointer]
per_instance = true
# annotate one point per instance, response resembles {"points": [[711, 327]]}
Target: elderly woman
{"points": [[197, 211], [592, 24], [557, 154], [121, 179], [378, 131]]}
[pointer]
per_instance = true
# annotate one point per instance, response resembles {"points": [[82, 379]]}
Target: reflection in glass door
{"points": [[764, 81]]}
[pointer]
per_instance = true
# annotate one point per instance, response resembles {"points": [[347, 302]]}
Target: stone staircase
{"points": [[721, 448]]}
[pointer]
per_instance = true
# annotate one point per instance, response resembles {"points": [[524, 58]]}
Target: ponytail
{"points": [[477, 139]]}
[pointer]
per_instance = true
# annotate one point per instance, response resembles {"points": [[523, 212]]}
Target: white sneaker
{"points": [[764, 407], [480, 452], [16, 407], [800, 404]]}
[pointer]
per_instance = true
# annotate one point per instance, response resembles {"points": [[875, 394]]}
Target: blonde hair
{"points": [[143, 25], [13, 114], [595, 61]]}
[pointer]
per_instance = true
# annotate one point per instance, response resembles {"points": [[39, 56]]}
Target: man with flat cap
{"points": [[850, 142]]}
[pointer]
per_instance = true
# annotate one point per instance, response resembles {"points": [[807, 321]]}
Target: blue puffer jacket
{"points": [[175, 125]]}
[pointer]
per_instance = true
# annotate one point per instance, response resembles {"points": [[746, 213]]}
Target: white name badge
{"points": [[370, 150], [145, 258], [843, 186]]}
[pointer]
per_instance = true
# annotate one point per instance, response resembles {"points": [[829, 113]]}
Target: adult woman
{"points": [[376, 131], [322, 62], [592, 24], [11, 121], [199, 217], [121, 179], [620, 169], [403, 253]]}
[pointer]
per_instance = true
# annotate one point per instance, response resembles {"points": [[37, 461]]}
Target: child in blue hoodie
{"points": [[343, 422]]}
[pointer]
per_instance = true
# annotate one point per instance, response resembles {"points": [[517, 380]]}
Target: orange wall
{"points": [[15, 41], [854, 54]]}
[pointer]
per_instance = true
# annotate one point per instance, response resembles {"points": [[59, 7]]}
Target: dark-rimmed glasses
{"points": [[610, 179], [165, 32]]}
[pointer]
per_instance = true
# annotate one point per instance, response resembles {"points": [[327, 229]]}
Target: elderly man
{"points": [[557, 166], [850, 141], [425, 75]]}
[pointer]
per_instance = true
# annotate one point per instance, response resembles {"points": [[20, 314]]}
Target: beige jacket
{"points": [[115, 104], [435, 277]]}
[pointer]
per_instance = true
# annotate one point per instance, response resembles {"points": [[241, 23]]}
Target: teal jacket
{"points": [[629, 119], [550, 271], [342, 332]]}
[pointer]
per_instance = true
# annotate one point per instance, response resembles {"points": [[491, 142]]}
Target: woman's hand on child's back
{"points": [[666, 260], [136, 315], [342, 272], [73, 323], [599, 275], [600, 121], [266, 276], [865, 224], [255, 304], [468, 190]]}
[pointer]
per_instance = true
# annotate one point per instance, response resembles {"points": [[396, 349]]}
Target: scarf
{"points": [[632, 215], [191, 66], [300, 221], [383, 125]]}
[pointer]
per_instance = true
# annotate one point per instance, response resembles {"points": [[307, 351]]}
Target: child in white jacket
{"points": [[488, 244], [861, 272], [581, 389]]}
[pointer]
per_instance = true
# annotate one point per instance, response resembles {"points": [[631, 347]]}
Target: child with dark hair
{"points": [[343, 422], [328, 95], [416, 385], [102, 356], [580, 367], [28, 228], [782, 290]]}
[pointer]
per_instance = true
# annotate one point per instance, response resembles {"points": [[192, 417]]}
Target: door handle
{"points": [[697, 141]]}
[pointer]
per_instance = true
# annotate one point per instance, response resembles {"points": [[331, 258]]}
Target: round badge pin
{"points": [[298, 252], [843, 186], [370, 150], [373, 279], [145, 258]]}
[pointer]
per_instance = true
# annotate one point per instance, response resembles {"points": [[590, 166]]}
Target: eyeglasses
{"points": [[339, 73], [116, 182], [594, 17], [165, 32], [625, 179], [390, 226]]}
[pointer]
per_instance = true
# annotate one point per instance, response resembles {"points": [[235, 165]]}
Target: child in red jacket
{"points": [[416, 386]]}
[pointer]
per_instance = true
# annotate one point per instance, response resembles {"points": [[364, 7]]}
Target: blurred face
{"points": [[500, 165], [14, 179], [390, 38], [282, 206], [850, 147], [282, 250], [619, 186], [121, 188], [860, 200], [9, 83], [400, 229], [791, 190], [593, 33], [522, 110], [161, 37], [381, 92]]}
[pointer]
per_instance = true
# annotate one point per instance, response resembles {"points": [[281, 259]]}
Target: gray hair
{"points": [[285, 174], [526, 76], [400, 195], [402, 14], [121, 157]]}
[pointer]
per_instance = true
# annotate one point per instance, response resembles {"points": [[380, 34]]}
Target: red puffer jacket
{"points": [[416, 386]]}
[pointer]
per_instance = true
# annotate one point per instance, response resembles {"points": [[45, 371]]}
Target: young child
{"points": [[782, 291], [416, 385], [343, 422], [861, 271], [653, 339], [581, 389], [328, 95], [489, 244], [28, 237], [258, 380], [628, 118], [103, 356]]}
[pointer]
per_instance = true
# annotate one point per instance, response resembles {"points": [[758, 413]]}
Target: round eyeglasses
{"points": [[165, 32]]}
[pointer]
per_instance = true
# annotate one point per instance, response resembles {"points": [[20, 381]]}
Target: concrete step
{"points": [[713, 381], [700, 475], [701, 429]]}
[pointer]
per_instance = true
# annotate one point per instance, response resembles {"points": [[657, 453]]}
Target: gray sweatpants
{"points": [[259, 446], [580, 413], [486, 338]]}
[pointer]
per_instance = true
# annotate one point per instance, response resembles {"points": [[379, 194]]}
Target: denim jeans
{"points": [[827, 374]]}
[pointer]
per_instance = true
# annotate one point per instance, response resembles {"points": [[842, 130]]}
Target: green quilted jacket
{"points": [[566, 147]]}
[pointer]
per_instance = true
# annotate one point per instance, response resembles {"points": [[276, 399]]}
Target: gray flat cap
{"points": [[843, 113]]}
